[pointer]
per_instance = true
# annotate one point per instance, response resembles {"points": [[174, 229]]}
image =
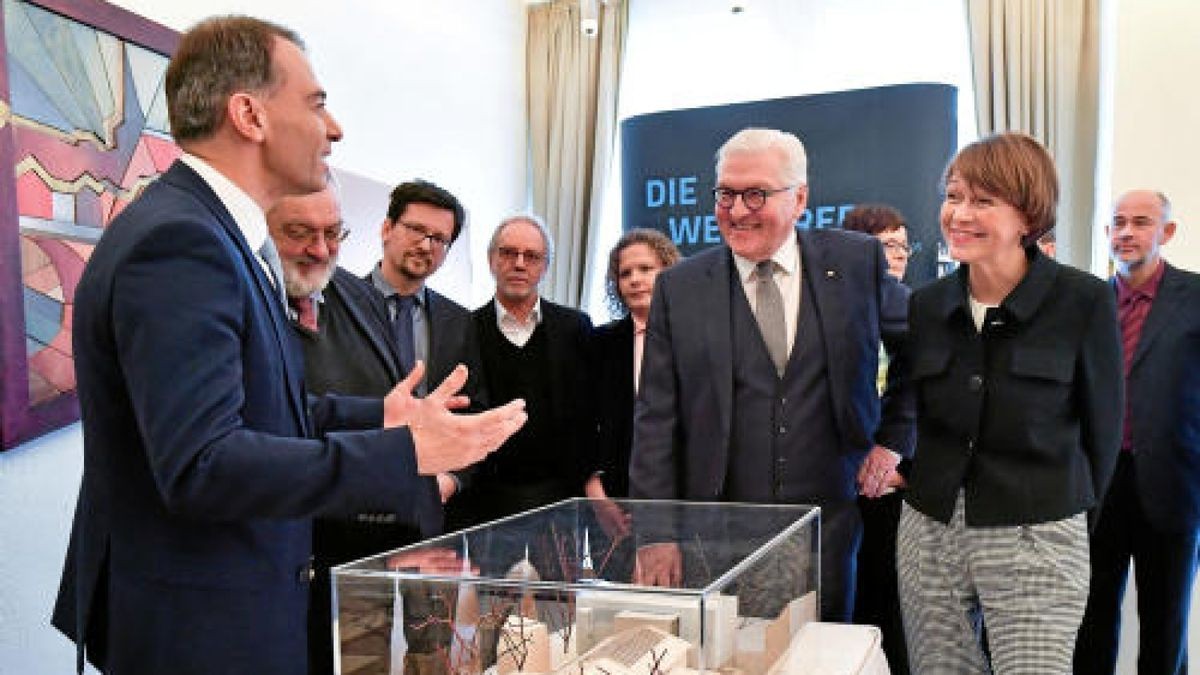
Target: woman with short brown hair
{"points": [[1017, 372]]}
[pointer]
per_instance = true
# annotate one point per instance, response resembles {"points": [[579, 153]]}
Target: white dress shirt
{"points": [[246, 212], [518, 332]]}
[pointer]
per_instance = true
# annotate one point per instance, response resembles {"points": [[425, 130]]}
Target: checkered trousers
{"points": [[1028, 584]]}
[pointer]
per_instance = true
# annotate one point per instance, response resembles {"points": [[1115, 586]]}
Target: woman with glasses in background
{"points": [[887, 225]]}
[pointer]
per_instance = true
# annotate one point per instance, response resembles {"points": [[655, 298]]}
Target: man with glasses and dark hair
{"points": [[539, 348], [423, 221], [758, 379]]}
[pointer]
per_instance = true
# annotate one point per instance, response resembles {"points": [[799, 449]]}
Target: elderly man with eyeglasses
{"points": [[540, 348], [358, 341], [758, 380]]}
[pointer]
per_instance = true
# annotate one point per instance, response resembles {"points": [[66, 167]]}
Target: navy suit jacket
{"points": [[203, 463], [1164, 392], [684, 409]]}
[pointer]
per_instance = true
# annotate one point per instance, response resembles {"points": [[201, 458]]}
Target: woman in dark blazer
{"points": [[1017, 372], [633, 264]]}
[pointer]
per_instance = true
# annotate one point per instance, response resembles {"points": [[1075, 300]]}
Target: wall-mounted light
{"points": [[589, 17]]}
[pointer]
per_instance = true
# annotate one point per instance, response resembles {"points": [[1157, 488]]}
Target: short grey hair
{"points": [[524, 218], [1166, 205], [795, 165]]}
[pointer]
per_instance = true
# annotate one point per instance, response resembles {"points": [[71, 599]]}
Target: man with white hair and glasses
{"points": [[759, 374]]}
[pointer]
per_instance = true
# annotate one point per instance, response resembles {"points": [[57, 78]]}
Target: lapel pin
{"points": [[831, 274]]}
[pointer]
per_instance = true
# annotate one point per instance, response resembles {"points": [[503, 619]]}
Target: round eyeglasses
{"points": [[752, 198]]}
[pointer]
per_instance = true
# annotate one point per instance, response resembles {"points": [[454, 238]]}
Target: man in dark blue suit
{"points": [[759, 375], [203, 460], [1151, 513]]}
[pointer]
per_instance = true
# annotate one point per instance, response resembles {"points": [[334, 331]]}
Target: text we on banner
{"points": [[881, 145]]}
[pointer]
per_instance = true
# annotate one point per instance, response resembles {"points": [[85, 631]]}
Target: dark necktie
{"points": [[1131, 313], [769, 312], [306, 312], [402, 324]]}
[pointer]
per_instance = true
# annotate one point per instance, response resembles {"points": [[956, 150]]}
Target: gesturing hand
{"points": [[446, 441], [400, 406]]}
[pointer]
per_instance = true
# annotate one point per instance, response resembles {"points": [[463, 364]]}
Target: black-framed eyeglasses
{"points": [[509, 255], [753, 198], [901, 247], [307, 235], [418, 233]]}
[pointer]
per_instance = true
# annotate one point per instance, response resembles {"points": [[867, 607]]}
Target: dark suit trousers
{"points": [[841, 532], [877, 598], [1165, 566]]}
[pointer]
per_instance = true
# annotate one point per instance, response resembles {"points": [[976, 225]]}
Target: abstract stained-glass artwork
{"points": [[83, 129]]}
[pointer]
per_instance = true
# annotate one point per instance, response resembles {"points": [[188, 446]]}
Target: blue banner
{"points": [[883, 145]]}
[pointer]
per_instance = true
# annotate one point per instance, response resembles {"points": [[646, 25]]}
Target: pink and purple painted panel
{"points": [[83, 129]]}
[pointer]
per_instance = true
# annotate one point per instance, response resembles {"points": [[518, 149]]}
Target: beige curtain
{"points": [[1037, 70], [571, 82]]}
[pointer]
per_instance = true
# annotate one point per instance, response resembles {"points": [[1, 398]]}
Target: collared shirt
{"points": [[978, 312], [1133, 306], [246, 212], [787, 276], [420, 315], [518, 332]]}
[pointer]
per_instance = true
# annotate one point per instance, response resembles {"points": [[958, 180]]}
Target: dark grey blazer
{"points": [[683, 414], [1164, 389]]}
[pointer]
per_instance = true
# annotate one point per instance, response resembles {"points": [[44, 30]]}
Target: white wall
{"points": [[38, 484], [423, 89], [432, 90], [1155, 111]]}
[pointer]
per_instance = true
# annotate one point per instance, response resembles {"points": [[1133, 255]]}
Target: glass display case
{"points": [[587, 587]]}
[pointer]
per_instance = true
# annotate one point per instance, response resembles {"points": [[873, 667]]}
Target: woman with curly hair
{"points": [[633, 264]]}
